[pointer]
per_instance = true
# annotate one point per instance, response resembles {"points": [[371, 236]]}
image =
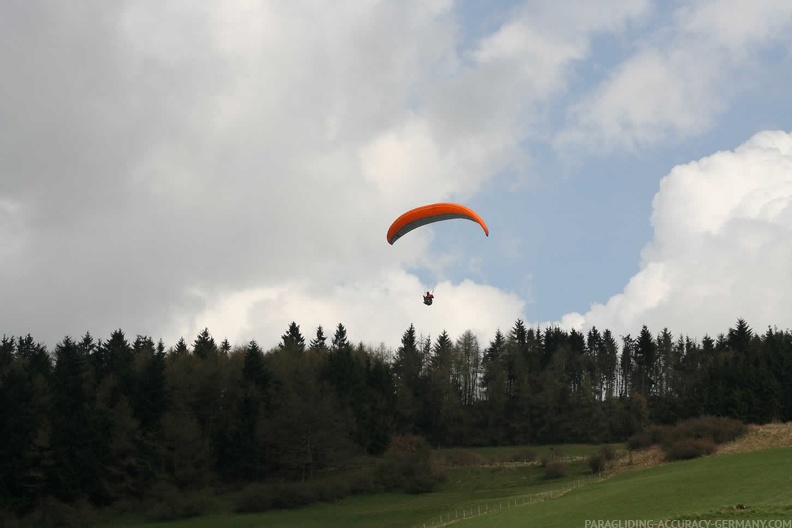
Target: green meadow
{"points": [[755, 485]]}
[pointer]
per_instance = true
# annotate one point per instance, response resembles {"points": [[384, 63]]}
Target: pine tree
{"points": [[408, 368], [626, 366], [645, 357], [468, 364], [254, 371], [204, 345], [494, 386], [608, 360], [442, 399], [151, 396], [318, 343], [293, 340], [78, 440], [181, 348], [339, 338]]}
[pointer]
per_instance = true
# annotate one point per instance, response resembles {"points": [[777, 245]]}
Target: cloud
{"points": [[375, 310], [677, 83], [722, 247], [169, 165]]}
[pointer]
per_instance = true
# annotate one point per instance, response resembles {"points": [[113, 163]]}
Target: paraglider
{"points": [[428, 299], [427, 214]]}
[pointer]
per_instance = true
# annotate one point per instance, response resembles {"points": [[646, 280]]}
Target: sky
{"points": [[168, 166]]}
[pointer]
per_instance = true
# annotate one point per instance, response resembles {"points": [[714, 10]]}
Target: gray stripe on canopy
{"points": [[427, 220]]}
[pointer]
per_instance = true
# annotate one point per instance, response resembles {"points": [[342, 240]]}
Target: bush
{"points": [[253, 499], [523, 455], [52, 512], [9, 519], [597, 463], [555, 469], [292, 495], [420, 483], [651, 435], [407, 466], [607, 452], [554, 455], [389, 476], [166, 503], [331, 490], [688, 448], [717, 429], [363, 481], [638, 441]]}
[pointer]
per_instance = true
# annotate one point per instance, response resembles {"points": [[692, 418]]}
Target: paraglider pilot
{"points": [[428, 298]]}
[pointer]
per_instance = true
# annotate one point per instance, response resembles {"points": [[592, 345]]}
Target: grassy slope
{"points": [[704, 488], [465, 488], [708, 488]]}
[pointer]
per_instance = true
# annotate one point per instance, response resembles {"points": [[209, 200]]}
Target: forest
{"points": [[105, 420]]}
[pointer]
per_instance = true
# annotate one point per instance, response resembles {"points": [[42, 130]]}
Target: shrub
{"points": [[9, 519], [253, 499], [389, 475], [555, 469], [420, 483], [292, 495], [649, 436], [688, 448], [717, 429], [640, 440], [407, 466], [166, 503], [523, 455], [52, 512], [596, 463], [607, 452], [362, 481], [330, 490]]}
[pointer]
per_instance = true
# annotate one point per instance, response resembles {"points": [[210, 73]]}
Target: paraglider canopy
{"points": [[428, 214]]}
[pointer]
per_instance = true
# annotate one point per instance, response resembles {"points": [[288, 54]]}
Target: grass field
{"points": [[709, 488], [465, 488]]}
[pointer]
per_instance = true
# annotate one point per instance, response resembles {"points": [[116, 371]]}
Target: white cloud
{"points": [[374, 310], [722, 247], [182, 166], [236, 165], [676, 84]]}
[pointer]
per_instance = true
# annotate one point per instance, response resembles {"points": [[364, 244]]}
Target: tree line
{"points": [[104, 420]]}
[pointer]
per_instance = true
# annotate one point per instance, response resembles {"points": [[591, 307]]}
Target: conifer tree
{"points": [[293, 340]]}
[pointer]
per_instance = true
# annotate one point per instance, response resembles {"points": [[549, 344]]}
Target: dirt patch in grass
{"points": [[761, 437], [641, 459]]}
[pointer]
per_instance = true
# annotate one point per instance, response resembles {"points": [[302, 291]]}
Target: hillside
{"points": [[758, 437]]}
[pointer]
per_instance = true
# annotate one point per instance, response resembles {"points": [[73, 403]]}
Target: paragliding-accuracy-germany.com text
{"points": [[689, 523]]}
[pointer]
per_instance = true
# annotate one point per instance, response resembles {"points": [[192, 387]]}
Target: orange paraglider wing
{"points": [[428, 214]]}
